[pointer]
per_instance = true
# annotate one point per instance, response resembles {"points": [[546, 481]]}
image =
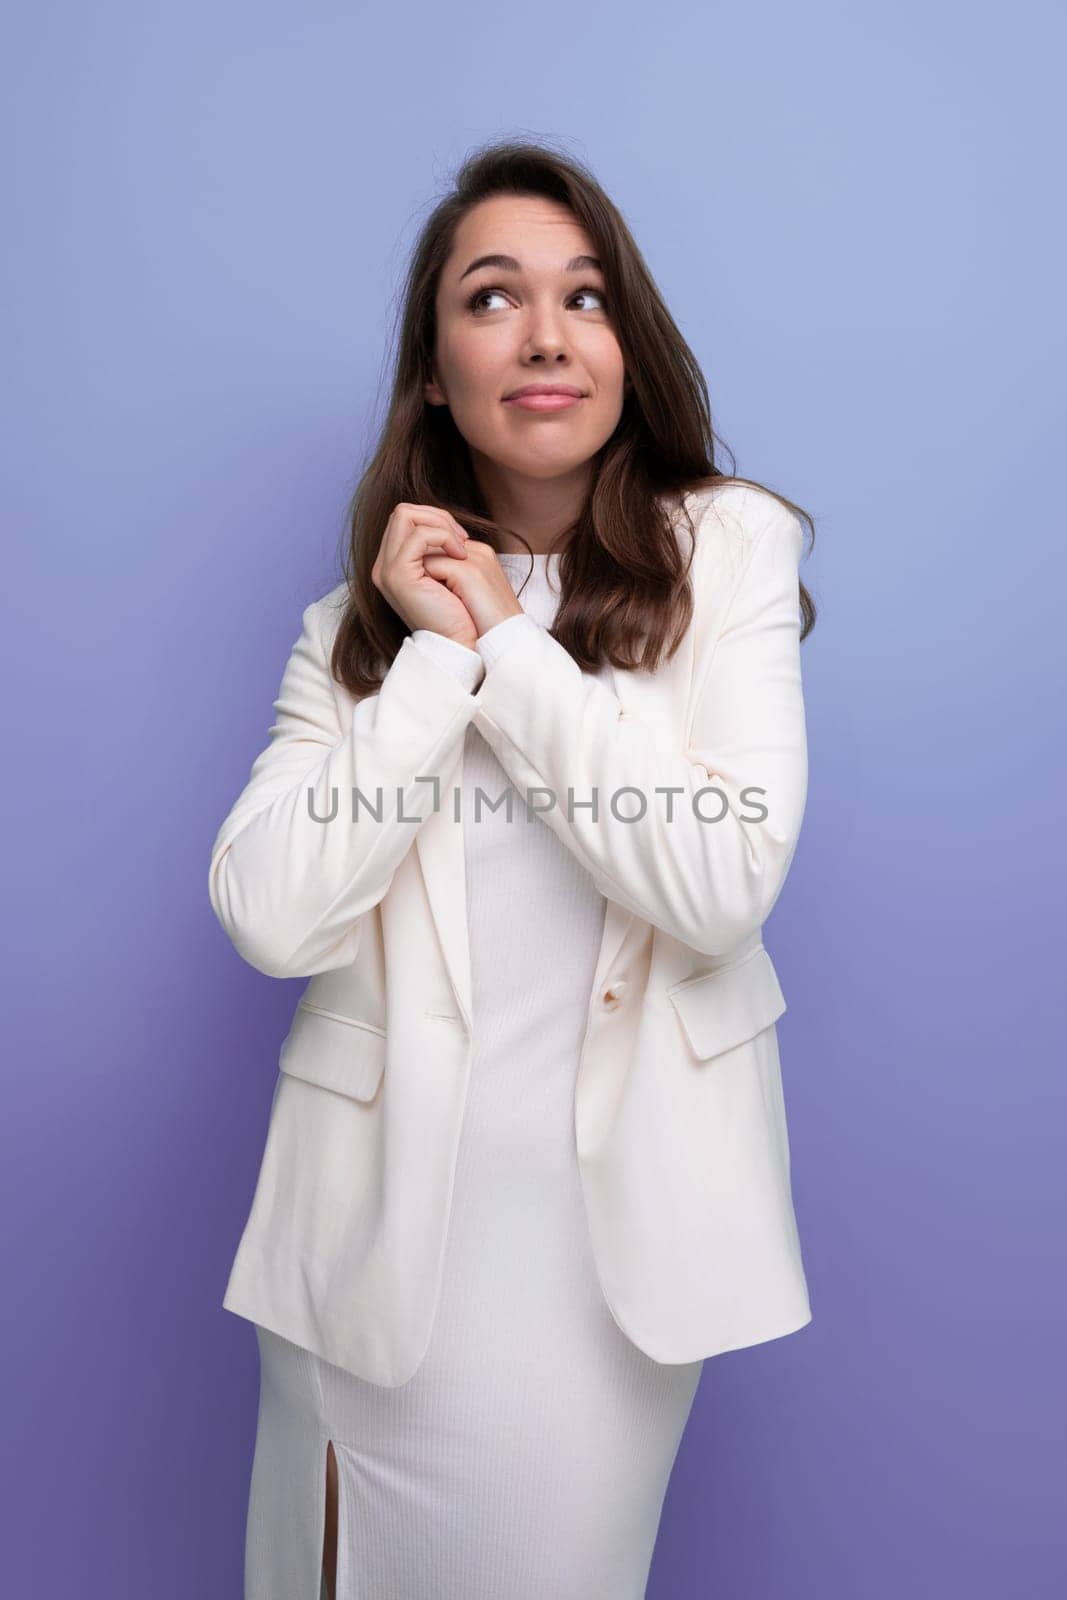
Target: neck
{"points": [[538, 510]]}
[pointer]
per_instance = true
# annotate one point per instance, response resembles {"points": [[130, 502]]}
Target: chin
{"points": [[548, 467]]}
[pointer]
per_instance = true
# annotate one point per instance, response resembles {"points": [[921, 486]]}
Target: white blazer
{"points": [[679, 1121]]}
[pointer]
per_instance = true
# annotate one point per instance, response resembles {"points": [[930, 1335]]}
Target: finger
{"points": [[438, 516], [436, 528]]}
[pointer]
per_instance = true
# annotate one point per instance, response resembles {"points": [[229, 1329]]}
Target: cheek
{"points": [[473, 381], [471, 362], [604, 360]]}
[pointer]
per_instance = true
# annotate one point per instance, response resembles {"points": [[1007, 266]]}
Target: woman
{"points": [[527, 1163]]}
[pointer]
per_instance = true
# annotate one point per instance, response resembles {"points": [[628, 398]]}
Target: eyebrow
{"points": [[509, 264]]}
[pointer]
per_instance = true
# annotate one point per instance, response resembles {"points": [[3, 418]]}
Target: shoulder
{"points": [[737, 513], [745, 540], [730, 521], [331, 607], [322, 617]]}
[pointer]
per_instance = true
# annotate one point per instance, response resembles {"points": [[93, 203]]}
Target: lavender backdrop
{"points": [[855, 216]]}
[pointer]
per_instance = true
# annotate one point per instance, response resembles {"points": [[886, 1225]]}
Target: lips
{"points": [[544, 397], [545, 389]]}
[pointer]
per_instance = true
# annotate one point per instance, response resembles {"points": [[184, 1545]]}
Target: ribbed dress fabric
{"points": [[529, 1455]]}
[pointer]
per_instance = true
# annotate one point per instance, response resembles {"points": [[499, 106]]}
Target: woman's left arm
{"points": [[710, 883]]}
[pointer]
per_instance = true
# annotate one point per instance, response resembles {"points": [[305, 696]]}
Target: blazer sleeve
{"points": [[469, 665], [290, 890], [464, 664], [705, 867]]}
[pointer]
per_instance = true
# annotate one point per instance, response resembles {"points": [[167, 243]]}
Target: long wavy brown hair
{"points": [[625, 595]]}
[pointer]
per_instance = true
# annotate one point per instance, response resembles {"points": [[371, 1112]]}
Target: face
{"points": [[541, 318]]}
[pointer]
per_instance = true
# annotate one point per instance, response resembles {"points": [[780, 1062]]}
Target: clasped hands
{"points": [[435, 576]]}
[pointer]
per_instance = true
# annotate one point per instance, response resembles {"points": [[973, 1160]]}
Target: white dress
{"points": [[529, 1455]]}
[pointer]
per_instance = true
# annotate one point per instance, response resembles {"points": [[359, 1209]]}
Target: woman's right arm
{"points": [[289, 890]]}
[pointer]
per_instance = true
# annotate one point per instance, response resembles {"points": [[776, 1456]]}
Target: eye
{"points": [[589, 288], [482, 294]]}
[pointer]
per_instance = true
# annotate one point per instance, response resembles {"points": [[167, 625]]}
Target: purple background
{"points": [[855, 218]]}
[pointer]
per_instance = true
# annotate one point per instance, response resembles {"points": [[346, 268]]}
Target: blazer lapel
{"points": [[617, 920], [439, 842], [442, 858]]}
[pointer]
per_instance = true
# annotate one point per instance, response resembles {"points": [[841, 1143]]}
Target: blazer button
{"points": [[613, 994]]}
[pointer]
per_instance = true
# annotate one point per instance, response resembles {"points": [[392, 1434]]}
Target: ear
{"points": [[432, 393]]}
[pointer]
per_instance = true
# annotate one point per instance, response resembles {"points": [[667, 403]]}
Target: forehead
{"points": [[541, 234]]}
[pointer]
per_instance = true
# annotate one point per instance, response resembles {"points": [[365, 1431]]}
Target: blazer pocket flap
{"points": [[339, 1053], [722, 1009]]}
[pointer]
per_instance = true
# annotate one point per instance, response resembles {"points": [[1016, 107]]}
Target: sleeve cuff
{"points": [[495, 641], [465, 665]]}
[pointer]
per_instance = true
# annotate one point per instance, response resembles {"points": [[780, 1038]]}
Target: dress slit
{"points": [[287, 1495], [324, 1590]]}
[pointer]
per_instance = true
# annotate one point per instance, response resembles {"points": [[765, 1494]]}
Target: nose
{"points": [[546, 339]]}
